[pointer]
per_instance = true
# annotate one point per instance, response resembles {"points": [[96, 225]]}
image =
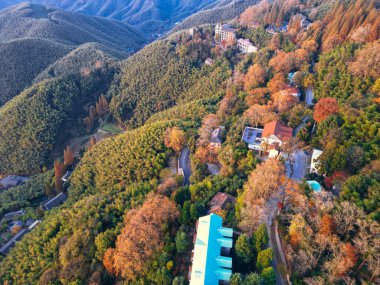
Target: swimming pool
{"points": [[314, 185]]}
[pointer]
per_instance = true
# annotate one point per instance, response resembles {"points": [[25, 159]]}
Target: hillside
{"points": [[219, 12], [22, 60], [153, 17], [33, 37], [163, 74], [310, 87], [45, 116]]}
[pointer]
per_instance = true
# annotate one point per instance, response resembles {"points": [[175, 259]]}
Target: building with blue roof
{"points": [[210, 266]]}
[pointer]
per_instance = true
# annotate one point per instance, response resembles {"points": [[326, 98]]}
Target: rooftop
{"points": [[252, 136], [278, 129], [227, 28], [290, 90], [13, 180], [245, 42], [216, 136], [209, 267], [54, 202], [220, 201]]}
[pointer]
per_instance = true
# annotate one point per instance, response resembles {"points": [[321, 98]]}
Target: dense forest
{"points": [[130, 219], [45, 115]]}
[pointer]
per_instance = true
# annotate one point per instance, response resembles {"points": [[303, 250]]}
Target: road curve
{"points": [[184, 165]]}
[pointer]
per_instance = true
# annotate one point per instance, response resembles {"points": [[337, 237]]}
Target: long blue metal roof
{"points": [[208, 265]]}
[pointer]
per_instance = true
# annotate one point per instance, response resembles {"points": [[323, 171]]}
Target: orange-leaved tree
{"points": [[141, 238], [174, 138], [325, 108]]}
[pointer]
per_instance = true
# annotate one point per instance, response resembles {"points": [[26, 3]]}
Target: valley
{"points": [[242, 147]]}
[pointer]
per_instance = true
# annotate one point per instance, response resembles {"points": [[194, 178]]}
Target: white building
{"points": [[253, 137], [225, 33], [314, 160], [245, 46]]}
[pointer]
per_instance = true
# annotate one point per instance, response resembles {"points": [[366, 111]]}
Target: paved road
{"points": [[303, 123], [309, 96], [184, 164], [269, 216], [297, 165]]}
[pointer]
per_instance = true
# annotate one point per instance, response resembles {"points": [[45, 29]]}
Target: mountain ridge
{"points": [[50, 34]]}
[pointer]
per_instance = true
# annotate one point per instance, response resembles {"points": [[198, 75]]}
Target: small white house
{"points": [[253, 137], [314, 160], [245, 46]]}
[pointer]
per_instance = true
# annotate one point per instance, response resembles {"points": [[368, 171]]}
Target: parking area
{"points": [[298, 165]]}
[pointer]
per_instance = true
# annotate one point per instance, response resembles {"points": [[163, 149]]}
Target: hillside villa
{"points": [[275, 134], [269, 139], [212, 243], [245, 46]]}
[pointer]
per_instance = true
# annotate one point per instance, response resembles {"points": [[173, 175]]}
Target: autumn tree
{"points": [[277, 83], [16, 229], [225, 105], [345, 258], [167, 187], [92, 142], [102, 106], [68, 156], [254, 77], [263, 182], [207, 154], [327, 225], [90, 119], [367, 62], [59, 171], [325, 108], [141, 238], [283, 62], [254, 13], [257, 96], [209, 122], [283, 102], [309, 45], [174, 138], [260, 115]]}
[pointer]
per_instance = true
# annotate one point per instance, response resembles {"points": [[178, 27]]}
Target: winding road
{"points": [[184, 165]]}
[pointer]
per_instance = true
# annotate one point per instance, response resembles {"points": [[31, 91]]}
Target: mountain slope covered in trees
{"points": [[33, 37], [150, 16], [166, 97]]}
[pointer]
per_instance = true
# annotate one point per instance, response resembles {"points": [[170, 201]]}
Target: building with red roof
{"points": [[275, 133]]}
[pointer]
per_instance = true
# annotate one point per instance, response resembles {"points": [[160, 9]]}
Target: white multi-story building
{"points": [[225, 33]]}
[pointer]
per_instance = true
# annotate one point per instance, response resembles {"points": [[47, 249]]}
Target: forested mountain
{"points": [[219, 12], [150, 16], [130, 219], [32, 37], [47, 115]]}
